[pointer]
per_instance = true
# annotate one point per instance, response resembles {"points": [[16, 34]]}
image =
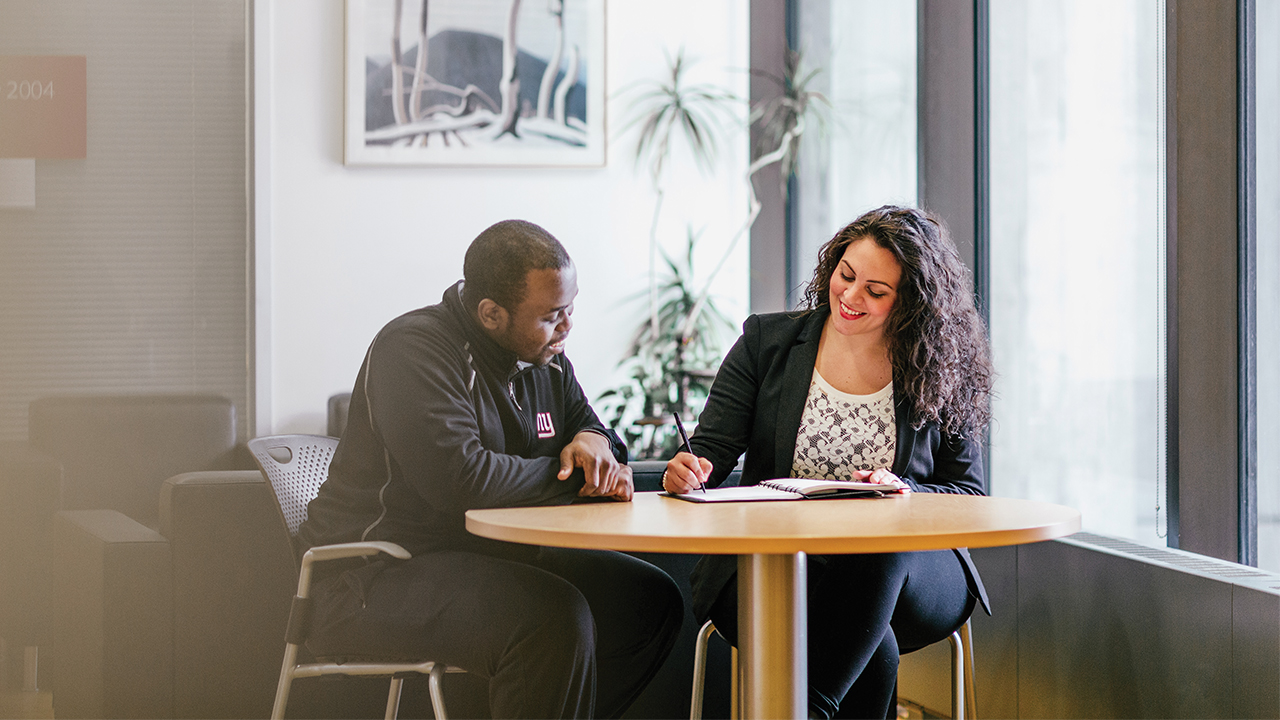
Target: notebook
{"points": [[789, 489]]}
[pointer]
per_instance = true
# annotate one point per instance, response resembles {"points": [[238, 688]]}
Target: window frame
{"points": [[1211, 453]]}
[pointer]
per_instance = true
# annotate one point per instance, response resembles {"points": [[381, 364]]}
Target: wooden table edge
{"points": [[710, 545]]}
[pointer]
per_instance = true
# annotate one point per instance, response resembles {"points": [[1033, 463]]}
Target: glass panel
{"points": [[1267, 98], [128, 275], [866, 155], [1076, 259]]}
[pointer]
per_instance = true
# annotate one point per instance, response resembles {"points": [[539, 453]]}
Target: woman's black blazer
{"points": [[755, 406]]}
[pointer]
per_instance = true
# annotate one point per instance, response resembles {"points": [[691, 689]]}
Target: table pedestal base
{"points": [[772, 630]]}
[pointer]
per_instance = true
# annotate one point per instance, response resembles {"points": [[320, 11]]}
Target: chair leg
{"points": [[957, 676], [970, 677], [700, 675], [286, 679], [393, 698], [963, 694], [699, 670], [735, 686], [437, 693]]}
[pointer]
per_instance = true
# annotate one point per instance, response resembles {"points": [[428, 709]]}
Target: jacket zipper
{"points": [[524, 421]]}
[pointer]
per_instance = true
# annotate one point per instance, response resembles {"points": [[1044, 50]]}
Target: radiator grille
{"points": [[1177, 558]]}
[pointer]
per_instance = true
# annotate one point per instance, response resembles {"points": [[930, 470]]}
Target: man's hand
{"points": [[605, 476]]}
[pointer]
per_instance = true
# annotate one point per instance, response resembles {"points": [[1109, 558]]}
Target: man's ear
{"points": [[492, 316]]}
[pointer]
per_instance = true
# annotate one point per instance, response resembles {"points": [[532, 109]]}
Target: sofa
{"points": [[86, 571]]}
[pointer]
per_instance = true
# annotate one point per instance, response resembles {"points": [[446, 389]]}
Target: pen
{"points": [[687, 447]]}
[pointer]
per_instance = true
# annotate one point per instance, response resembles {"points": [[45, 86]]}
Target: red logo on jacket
{"points": [[545, 428]]}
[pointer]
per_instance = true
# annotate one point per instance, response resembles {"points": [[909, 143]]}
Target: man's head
{"points": [[520, 285]]}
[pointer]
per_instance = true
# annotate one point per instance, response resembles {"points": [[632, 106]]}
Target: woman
{"points": [[884, 377]]}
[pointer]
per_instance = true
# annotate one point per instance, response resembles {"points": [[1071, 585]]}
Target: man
{"points": [[471, 403]]}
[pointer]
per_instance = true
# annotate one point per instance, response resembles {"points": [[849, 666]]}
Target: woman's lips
{"points": [[849, 314]]}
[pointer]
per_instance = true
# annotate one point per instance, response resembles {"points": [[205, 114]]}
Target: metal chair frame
{"points": [[963, 696], [295, 482]]}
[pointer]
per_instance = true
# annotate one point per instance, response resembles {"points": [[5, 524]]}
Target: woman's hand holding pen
{"points": [[685, 473]]}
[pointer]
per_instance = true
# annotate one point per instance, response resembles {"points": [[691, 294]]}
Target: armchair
{"points": [[87, 575]]}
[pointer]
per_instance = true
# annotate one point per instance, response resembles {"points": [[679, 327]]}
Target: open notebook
{"points": [[789, 489]]}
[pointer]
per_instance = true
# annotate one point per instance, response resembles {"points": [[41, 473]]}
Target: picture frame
{"points": [[485, 95]]}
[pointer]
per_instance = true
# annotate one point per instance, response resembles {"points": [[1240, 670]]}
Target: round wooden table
{"points": [[771, 540]]}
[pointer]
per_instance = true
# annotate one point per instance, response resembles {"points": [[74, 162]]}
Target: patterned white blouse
{"points": [[840, 433]]}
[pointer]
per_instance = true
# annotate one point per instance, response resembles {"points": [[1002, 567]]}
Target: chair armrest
{"points": [[324, 553], [340, 551], [112, 649], [339, 406], [233, 575]]}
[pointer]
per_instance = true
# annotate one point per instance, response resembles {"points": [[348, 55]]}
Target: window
{"points": [[866, 157], [1076, 286], [1267, 107]]}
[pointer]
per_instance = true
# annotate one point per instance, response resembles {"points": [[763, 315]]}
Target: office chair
{"points": [[296, 466], [961, 674]]}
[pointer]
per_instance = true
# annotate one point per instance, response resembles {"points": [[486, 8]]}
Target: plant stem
{"points": [[653, 262], [754, 204]]}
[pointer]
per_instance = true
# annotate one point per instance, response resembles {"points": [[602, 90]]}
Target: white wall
{"points": [[342, 250]]}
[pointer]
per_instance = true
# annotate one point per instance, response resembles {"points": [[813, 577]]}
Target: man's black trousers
{"points": [[558, 633]]}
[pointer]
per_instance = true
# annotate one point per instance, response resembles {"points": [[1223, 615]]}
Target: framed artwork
{"points": [[475, 82]]}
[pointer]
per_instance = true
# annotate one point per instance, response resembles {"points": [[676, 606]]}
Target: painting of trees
{"points": [[466, 82]]}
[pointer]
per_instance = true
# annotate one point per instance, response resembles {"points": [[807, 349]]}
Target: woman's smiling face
{"points": [[863, 289]]}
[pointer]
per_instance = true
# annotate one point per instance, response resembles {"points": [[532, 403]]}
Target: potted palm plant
{"points": [[675, 351], [668, 367]]}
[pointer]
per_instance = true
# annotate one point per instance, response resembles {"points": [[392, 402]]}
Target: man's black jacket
{"points": [[443, 420]]}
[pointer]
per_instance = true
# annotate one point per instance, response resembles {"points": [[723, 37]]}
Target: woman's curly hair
{"points": [[937, 342]]}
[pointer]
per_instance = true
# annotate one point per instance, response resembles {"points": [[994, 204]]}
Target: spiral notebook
{"points": [[789, 489]]}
